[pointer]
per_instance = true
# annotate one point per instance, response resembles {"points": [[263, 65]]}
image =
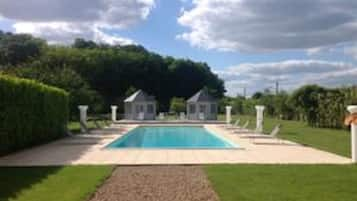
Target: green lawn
{"points": [[284, 182], [75, 183], [331, 140], [75, 127]]}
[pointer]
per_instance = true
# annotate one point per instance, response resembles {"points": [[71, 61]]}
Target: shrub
{"points": [[30, 113], [177, 105]]}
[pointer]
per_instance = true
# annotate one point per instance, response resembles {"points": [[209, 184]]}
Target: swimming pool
{"points": [[171, 137]]}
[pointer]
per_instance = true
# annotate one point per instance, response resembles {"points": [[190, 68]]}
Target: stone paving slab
{"points": [[90, 149]]}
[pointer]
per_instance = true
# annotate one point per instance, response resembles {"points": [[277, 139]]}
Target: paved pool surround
{"points": [[91, 149]]}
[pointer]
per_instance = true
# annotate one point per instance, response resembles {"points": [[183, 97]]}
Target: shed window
{"points": [[139, 108], [192, 109], [150, 108], [202, 108]]}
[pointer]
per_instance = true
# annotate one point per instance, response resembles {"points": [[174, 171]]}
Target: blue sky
{"points": [[158, 33], [248, 43]]}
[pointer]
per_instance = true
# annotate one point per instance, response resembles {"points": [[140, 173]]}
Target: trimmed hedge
{"points": [[30, 113]]}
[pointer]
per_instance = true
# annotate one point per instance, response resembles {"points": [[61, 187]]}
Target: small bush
{"points": [[30, 113], [177, 105]]}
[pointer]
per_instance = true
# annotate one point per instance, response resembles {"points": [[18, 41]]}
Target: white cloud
{"points": [[60, 21], [290, 67], [314, 51], [59, 32], [291, 74], [351, 51], [269, 25], [102, 37], [339, 50]]}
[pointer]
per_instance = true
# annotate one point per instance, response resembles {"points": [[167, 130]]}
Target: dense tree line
{"points": [[318, 106], [17, 48], [100, 75]]}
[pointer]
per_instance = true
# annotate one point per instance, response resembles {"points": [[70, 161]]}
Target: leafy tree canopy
{"points": [[18, 48], [105, 71]]}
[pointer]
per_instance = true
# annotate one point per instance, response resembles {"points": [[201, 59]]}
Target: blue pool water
{"points": [[180, 137]]}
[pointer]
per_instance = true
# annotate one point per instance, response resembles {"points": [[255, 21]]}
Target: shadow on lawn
{"points": [[13, 180]]}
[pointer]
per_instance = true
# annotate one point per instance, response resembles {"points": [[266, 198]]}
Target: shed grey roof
{"points": [[140, 96], [201, 96]]}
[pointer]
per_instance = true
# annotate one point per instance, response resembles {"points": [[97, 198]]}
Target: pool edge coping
{"points": [[234, 146]]}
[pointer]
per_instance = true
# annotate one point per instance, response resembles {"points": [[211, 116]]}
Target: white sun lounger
{"points": [[273, 134], [232, 126], [244, 128]]}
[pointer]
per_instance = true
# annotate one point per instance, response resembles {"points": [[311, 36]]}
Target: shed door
{"points": [[192, 108], [139, 108], [202, 108]]}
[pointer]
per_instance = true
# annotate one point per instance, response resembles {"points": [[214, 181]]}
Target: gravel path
{"points": [[156, 183]]}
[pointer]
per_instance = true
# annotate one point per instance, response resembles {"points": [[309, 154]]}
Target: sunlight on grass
{"points": [[284, 182], [331, 140], [75, 127]]}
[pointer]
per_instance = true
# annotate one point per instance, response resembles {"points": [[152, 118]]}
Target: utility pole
{"points": [[277, 87], [244, 92]]}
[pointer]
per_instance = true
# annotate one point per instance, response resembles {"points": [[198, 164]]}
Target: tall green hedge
{"points": [[30, 113]]}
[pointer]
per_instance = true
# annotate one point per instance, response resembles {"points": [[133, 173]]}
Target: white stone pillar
{"points": [[83, 116], [353, 110], [260, 118], [114, 112], [228, 114]]}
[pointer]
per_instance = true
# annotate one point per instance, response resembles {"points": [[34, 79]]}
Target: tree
{"points": [[331, 108], [65, 78], [134, 48], [198, 75], [84, 44], [257, 95], [111, 70], [306, 100], [130, 91], [223, 102], [284, 109], [177, 105], [237, 105], [18, 48]]}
